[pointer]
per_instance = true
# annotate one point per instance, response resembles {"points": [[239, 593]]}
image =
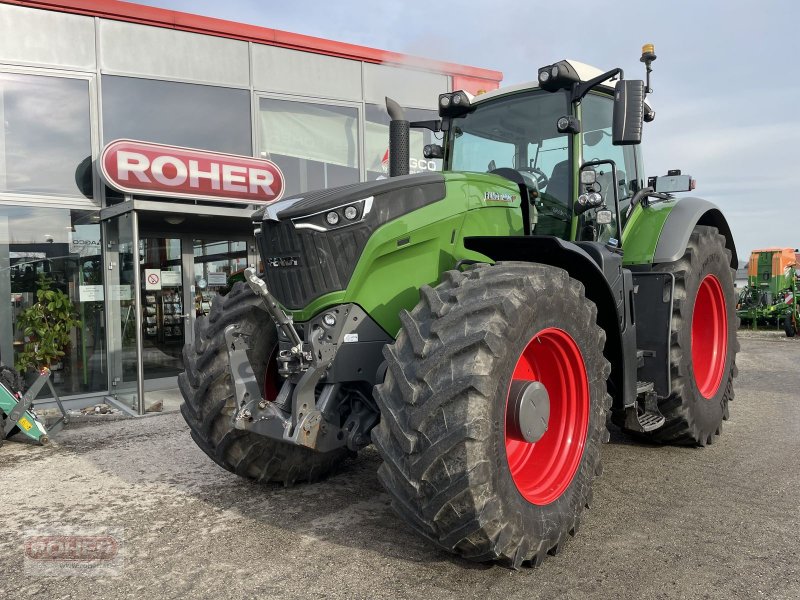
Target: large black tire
{"points": [[442, 434], [693, 418], [209, 397]]}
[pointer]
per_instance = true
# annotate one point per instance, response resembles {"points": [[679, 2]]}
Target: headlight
{"points": [[331, 217]]}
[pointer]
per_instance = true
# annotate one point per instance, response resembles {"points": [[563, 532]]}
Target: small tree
{"points": [[46, 325]]}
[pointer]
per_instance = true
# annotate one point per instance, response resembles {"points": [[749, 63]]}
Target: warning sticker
{"points": [[152, 279], [25, 424]]}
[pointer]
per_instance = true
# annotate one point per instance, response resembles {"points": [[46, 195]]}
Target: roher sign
{"points": [[135, 167]]}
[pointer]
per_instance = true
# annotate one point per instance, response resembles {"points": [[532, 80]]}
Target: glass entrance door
{"points": [[124, 320], [164, 314]]}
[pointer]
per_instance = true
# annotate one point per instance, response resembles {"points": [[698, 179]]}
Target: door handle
{"points": [[186, 316]]}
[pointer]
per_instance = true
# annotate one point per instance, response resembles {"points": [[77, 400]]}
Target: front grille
{"points": [[300, 265], [324, 260]]}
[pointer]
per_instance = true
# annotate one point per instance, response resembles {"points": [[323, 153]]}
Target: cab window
{"points": [[519, 132], [596, 116]]}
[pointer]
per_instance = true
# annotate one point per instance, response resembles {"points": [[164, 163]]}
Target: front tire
{"points": [[455, 468], [209, 401], [704, 343]]}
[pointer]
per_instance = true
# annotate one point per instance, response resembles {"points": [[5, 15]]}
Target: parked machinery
{"points": [[770, 296]]}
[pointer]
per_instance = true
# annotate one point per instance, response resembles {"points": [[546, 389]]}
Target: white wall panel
{"points": [[410, 88], [45, 38], [130, 49], [292, 72]]}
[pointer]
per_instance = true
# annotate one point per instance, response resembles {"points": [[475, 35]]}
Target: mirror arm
{"points": [[434, 125], [579, 90]]}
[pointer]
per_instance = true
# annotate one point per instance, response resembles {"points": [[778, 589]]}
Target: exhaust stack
{"points": [[399, 134]]}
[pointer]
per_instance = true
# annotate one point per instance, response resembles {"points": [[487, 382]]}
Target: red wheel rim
{"points": [[544, 469], [272, 378], [709, 336]]}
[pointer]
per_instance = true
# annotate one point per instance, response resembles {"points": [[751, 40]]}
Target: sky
{"points": [[725, 81]]}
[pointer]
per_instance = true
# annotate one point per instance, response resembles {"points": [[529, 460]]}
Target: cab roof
{"points": [[584, 71]]}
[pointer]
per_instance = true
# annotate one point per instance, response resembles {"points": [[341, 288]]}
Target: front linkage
{"points": [[307, 409]]}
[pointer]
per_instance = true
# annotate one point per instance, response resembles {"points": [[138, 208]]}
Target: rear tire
{"points": [[454, 469], [704, 326], [209, 401]]}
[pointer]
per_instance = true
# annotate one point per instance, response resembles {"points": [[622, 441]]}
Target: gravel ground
{"points": [[717, 522]]}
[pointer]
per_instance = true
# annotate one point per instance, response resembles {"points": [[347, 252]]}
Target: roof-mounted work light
{"points": [[454, 104], [558, 76]]}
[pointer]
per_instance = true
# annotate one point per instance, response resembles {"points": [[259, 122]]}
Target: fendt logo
{"points": [[135, 167], [277, 262]]}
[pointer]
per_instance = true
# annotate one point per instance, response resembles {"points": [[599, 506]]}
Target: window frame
{"points": [[52, 201]]}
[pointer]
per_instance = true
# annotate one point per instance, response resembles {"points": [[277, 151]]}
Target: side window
{"points": [[596, 115]]}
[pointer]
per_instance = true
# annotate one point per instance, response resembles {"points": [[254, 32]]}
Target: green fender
{"points": [[660, 232]]}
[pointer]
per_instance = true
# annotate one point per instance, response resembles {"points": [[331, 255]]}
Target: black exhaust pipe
{"points": [[399, 134]]}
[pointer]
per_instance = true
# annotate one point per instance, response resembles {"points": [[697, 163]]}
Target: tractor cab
{"points": [[542, 134]]}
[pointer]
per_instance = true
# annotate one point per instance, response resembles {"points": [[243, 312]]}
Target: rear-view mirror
{"points": [[628, 112]]}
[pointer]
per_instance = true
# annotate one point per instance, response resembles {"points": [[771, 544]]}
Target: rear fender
{"points": [[660, 233]]}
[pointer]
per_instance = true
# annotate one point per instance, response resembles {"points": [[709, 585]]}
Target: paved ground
{"points": [[719, 522]]}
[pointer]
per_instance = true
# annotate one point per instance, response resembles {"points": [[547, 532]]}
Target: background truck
{"points": [[481, 324]]}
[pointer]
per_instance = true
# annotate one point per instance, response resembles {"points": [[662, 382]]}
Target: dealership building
{"points": [[141, 254]]}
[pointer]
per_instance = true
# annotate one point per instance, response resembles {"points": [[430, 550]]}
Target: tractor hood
{"points": [[310, 243]]}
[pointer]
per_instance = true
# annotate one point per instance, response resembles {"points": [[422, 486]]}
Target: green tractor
{"points": [[481, 325]]}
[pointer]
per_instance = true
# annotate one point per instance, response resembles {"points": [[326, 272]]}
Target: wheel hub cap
{"points": [[528, 410]]}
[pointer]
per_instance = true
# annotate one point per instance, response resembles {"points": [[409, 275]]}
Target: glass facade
{"points": [[59, 249], [178, 114], [315, 145], [45, 141]]}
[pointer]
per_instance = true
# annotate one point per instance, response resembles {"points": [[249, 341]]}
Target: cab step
{"points": [[644, 416]]}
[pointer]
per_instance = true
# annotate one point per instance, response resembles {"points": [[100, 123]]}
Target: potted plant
{"points": [[46, 326]]}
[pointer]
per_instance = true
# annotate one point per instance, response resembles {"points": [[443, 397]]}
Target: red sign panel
{"points": [[158, 170]]}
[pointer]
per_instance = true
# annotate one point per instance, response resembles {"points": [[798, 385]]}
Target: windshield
{"points": [[519, 132]]}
